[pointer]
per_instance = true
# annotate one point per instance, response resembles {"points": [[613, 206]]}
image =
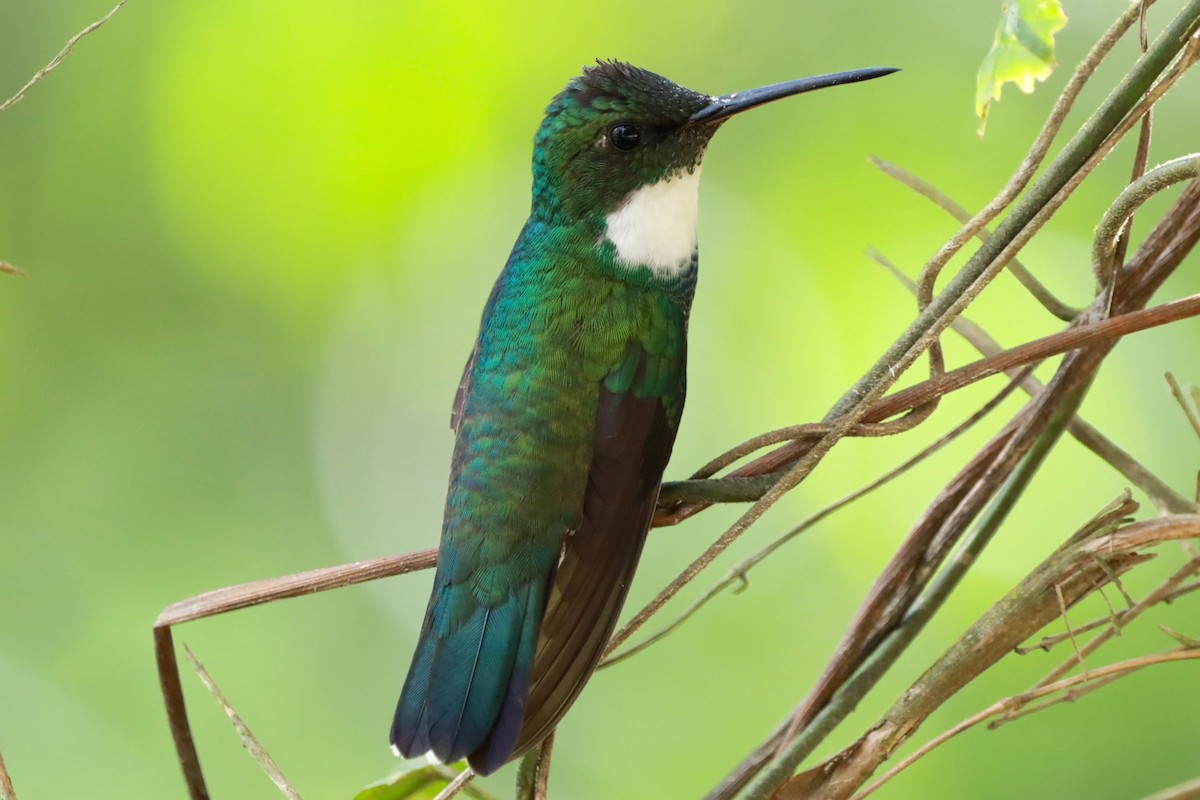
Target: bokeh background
{"points": [[258, 236]]}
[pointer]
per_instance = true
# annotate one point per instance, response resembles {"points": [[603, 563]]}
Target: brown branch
{"points": [[677, 507], [1141, 156], [1112, 232], [1091, 680], [244, 596], [1175, 235], [1151, 77], [1041, 144], [1090, 684], [1075, 338], [1088, 560], [1166, 499]]}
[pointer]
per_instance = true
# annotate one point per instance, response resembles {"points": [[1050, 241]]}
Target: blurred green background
{"points": [[258, 236]]}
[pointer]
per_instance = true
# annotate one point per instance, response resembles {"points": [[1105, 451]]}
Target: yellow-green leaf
{"points": [[1022, 52], [422, 783]]}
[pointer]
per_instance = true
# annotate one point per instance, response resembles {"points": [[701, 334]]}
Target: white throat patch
{"points": [[656, 225]]}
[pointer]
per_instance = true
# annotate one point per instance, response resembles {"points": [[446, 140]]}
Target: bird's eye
{"points": [[625, 136]]}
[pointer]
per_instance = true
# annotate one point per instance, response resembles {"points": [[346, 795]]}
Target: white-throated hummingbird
{"points": [[567, 413]]}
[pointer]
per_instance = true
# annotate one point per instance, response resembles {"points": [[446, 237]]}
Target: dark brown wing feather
{"points": [[632, 443]]}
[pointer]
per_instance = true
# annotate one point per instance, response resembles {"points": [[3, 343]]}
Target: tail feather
{"points": [[465, 693], [449, 715], [408, 737], [498, 747]]}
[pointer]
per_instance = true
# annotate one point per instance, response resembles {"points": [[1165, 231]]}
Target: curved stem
{"points": [[1112, 224]]}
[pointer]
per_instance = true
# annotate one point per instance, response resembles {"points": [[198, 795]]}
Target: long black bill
{"points": [[727, 105]]}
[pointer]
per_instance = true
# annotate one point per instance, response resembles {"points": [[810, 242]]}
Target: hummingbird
{"points": [[566, 413]]}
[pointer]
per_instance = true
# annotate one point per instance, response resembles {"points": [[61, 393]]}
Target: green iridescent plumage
{"points": [[521, 465], [566, 416]]}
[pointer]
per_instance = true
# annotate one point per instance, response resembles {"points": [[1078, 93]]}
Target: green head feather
{"points": [[612, 130]]}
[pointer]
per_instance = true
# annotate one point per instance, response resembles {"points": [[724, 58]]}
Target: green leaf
{"points": [[422, 783], [1022, 52]]}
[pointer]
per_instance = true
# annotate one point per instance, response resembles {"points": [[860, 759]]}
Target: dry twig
{"points": [[58, 58], [1191, 410], [252, 745], [460, 782], [1168, 591], [7, 792], [1009, 705], [1188, 790]]}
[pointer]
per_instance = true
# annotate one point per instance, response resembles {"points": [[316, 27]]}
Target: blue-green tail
{"points": [[466, 690]]}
